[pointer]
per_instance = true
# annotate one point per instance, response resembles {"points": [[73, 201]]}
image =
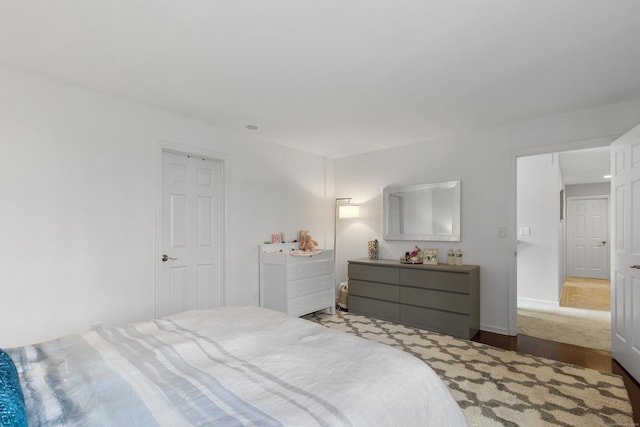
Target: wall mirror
{"points": [[428, 212]]}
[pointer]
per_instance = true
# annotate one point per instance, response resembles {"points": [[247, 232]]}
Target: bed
{"points": [[229, 366]]}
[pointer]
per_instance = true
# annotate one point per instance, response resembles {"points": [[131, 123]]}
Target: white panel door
{"points": [[191, 271], [625, 283], [588, 237]]}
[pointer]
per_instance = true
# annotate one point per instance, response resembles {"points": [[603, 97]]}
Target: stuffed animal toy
{"points": [[307, 243]]}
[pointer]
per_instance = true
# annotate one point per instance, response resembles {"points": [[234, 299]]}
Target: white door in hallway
{"points": [[192, 212], [588, 237], [625, 271]]}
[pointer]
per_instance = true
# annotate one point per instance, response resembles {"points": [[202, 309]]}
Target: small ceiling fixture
{"points": [[607, 176], [252, 127]]}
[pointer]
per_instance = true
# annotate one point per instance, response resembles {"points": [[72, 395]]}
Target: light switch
{"points": [[525, 231], [502, 232]]}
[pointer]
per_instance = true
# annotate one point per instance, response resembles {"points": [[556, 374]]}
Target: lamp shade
{"points": [[348, 211]]}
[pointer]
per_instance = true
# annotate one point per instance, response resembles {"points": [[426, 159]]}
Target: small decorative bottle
{"points": [[451, 260], [458, 257], [373, 249]]}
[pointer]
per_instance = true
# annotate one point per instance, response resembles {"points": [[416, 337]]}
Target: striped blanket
{"points": [[231, 366]]}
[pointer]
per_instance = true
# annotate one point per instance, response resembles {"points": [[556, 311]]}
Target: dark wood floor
{"points": [[586, 357]]}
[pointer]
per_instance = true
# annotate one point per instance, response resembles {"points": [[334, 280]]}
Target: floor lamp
{"points": [[343, 209]]}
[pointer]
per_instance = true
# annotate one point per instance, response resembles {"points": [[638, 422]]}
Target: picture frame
{"points": [[430, 256]]}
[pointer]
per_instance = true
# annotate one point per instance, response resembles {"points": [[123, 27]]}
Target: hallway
{"points": [[583, 317]]}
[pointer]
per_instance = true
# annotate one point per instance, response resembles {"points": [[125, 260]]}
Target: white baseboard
{"points": [[540, 303]]}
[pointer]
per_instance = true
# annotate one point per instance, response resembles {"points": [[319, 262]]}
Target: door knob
{"points": [[604, 242], [166, 258]]}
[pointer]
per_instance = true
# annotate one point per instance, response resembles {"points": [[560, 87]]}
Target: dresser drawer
{"points": [[301, 259], [447, 301], [447, 281], [309, 269], [311, 285], [309, 303], [375, 290], [435, 320], [373, 273], [375, 308]]}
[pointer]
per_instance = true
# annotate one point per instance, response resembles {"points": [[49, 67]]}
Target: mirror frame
{"points": [[391, 189]]}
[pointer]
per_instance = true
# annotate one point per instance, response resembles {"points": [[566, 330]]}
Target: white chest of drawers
{"points": [[296, 284]]}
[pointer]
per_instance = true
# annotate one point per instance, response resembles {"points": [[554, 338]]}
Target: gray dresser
{"points": [[441, 298]]}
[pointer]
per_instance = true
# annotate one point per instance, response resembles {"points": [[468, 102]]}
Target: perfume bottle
{"points": [[459, 257], [451, 257]]}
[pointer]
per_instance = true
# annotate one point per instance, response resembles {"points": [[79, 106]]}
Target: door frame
{"points": [[566, 237], [512, 287], [161, 147]]}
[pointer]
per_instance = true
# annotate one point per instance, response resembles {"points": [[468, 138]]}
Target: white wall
{"points": [[77, 219], [77, 178], [594, 189], [485, 161], [562, 234], [538, 208]]}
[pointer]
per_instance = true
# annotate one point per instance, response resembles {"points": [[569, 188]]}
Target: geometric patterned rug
{"points": [[496, 387]]}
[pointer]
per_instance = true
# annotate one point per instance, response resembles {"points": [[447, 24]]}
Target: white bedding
{"points": [[229, 366]]}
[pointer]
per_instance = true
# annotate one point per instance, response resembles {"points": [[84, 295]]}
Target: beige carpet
{"points": [[497, 387], [586, 328]]}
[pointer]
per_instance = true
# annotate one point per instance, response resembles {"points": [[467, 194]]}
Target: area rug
{"points": [[497, 387], [592, 294], [586, 328]]}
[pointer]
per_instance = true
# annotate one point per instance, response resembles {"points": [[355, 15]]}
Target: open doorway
{"points": [[556, 244]]}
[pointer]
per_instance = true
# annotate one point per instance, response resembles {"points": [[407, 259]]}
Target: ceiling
{"points": [[337, 77], [585, 166]]}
